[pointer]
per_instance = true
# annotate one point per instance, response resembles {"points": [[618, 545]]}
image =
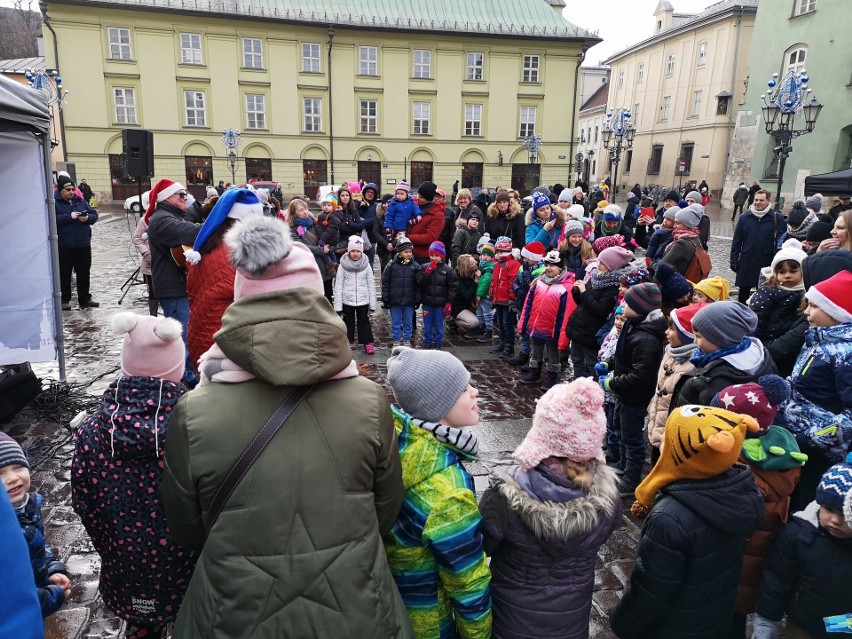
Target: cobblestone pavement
{"points": [[93, 360]]}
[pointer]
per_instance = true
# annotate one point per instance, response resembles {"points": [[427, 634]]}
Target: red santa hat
{"points": [[832, 296], [682, 320], [162, 191]]}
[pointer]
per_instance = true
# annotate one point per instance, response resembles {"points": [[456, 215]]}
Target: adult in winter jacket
{"points": [[367, 212], [543, 222], [505, 218], [429, 228], [305, 230], [312, 508], [140, 241], [74, 220], [844, 204], [612, 223], [755, 239], [739, 198], [685, 238]]}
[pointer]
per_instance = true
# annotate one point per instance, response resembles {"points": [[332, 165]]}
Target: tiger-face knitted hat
{"points": [[699, 442]]}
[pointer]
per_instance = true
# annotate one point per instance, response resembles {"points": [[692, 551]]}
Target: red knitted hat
{"points": [[832, 296], [162, 190]]}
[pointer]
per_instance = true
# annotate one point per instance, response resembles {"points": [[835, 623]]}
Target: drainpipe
{"points": [[733, 89], [43, 8], [330, 109], [574, 117]]}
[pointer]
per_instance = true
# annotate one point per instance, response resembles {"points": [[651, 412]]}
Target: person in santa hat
{"points": [[167, 228]]}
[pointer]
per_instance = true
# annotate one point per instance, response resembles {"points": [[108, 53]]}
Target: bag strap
{"points": [[252, 452]]}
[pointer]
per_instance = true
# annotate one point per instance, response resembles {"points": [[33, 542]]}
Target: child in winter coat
{"points": [[776, 302], [384, 249], [545, 519], [355, 293], [466, 236], [502, 295], [699, 506], [116, 476], [661, 237], [710, 289], [484, 308], [463, 308], [329, 221], [51, 576], [807, 573], [634, 370], [399, 290], [438, 283], [532, 266], [675, 363], [605, 354], [575, 249], [546, 311], [402, 212], [435, 549]]}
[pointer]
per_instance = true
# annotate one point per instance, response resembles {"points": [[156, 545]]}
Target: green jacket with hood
{"points": [[297, 550]]}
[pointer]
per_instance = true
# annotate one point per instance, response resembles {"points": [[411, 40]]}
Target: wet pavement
{"points": [[93, 362]]}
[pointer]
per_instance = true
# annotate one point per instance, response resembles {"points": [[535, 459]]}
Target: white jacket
{"points": [[354, 284]]}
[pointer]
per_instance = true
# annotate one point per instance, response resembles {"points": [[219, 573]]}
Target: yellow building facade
{"points": [[682, 85], [406, 102]]}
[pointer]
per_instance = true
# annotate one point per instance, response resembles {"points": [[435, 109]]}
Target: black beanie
{"points": [[427, 190]]}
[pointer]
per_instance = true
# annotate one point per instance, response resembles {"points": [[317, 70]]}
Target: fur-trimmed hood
{"points": [[561, 520], [511, 213]]}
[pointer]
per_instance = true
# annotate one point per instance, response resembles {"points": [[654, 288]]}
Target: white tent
{"points": [[30, 315]]}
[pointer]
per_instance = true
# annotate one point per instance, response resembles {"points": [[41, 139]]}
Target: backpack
{"points": [[700, 266]]}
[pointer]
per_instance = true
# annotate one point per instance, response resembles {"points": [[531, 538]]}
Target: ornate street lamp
{"points": [[231, 140], [49, 83], [532, 143], [786, 102], [618, 126]]}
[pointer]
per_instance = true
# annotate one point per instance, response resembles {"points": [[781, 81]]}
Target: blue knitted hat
{"points": [[237, 204], [835, 484], [539, 199]]}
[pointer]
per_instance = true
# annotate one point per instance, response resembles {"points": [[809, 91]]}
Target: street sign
{"points": [[578, 158]]}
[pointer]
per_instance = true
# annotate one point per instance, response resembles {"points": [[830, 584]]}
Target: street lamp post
{"points": [[618, 125], [231, 140], [49, 83], [783, 104]]}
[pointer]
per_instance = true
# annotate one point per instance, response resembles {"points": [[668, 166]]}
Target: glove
{"points": [[601, 369], [734, 267], [431, 268], [604, 382], [448, 310]]}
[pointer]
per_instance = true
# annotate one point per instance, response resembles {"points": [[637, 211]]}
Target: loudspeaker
{"points": [[139, 152], [18, 387]]}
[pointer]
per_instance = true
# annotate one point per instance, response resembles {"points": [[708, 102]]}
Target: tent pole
{"points": [[54, 256]]}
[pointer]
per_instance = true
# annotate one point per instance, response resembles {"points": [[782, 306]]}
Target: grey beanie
{"points": [[573, 227], [725, 323], [671, 213], [426, 384], [814, 203], [690, 217], [693, 195]]}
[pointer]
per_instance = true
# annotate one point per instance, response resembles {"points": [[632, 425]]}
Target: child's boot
{"points": [[508, 350], [549, 380], [533, 375], [519, 360], [369, 349], [484, 335], [497, 349]]}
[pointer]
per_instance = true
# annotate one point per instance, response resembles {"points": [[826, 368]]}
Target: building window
{"points": [[125, 105], [628, 160], [422, 117], [804, 6], [369, 116], [702, 54], [596, 134], [473, 119], [636, 112], [368, 61], [310, 57], [696, 103], [471, 174], [667, 103], [196, 114], [190, 48], [527, 121], [258, 170], [124, 185], [640, 73], [420, 172], [422, 63], [621, 79], [686, 150], [722, 105], [474, 66], [119, 44], [531, 67], [525, 177], [255, 111], [655, 160], [670, 64], [252, 53], [313, 115], [314, 175], [795, 59]]}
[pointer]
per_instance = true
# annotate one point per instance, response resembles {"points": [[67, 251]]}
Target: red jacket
{"points": [[547, 309], [505, 271], [210, 288], [428, 229]]}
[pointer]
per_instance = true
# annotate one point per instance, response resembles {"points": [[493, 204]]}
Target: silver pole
{"points": [[54, 256]]}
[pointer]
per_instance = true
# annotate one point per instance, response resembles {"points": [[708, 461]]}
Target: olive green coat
{"points": [[297, 550]]}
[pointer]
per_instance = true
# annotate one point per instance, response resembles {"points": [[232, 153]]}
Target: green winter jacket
{"points": [[297, 550], [483, 285]]}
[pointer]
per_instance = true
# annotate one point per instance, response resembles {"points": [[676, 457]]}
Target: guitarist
{"points": [[167, 227]]}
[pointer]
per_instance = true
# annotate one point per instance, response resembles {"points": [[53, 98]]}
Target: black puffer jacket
{"points": [[399, 283], [806, 575], [634, 378], [438, 287], [465, 295], [700, 385], [684, 581], [593, 308], [776, 310]]}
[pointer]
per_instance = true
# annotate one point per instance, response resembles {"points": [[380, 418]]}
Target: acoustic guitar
{"points": [[178, 254]]}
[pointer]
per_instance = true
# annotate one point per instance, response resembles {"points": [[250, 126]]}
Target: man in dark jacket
{"points": [[739, 199], [844, 204], [86, 190], [74, 219], [755, 239], [754, 188]]}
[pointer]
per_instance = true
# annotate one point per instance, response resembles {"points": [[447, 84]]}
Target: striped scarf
{"points": [[462, 439]]}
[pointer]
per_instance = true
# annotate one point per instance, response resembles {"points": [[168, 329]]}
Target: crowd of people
{"points": [[373, 528]]}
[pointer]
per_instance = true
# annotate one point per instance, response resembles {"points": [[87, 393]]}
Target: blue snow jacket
{"points": [[660, 239], [399, 214], [21, 617], [819, 411], [73, 233], [43, 560]]}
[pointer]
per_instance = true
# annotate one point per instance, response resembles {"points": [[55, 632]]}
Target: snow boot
{"points": [[532, 376], [497, 349], [519, 360], [508, 350], [549, 381]]}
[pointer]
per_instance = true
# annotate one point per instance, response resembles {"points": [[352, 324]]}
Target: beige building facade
{"points": [[408, 99], [681, 86]]}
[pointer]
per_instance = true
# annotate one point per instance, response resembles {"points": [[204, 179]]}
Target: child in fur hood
{"points": [[545, 519]]}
